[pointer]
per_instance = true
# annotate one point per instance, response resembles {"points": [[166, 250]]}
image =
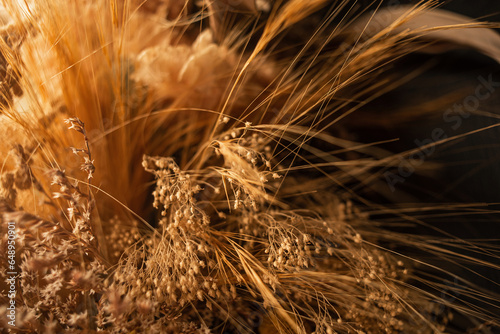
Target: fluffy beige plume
{"points": [[174, 167]]}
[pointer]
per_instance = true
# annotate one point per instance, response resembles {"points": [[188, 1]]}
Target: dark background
{"points": [[487, 10], [471, 166]]}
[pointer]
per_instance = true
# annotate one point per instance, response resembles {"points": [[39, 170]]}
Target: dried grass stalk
{"points": [[199, 192]]}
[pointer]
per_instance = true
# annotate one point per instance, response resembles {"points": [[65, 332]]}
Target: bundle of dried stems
{"points": [[182, 167]]}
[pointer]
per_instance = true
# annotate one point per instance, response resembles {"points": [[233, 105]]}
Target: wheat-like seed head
{"points": [[202, 184]]}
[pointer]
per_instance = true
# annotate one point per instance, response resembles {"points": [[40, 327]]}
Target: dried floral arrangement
{"points": [[177, 167]]}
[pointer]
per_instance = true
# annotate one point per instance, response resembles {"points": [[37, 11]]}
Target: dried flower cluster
{"points": [[210, 194]]}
